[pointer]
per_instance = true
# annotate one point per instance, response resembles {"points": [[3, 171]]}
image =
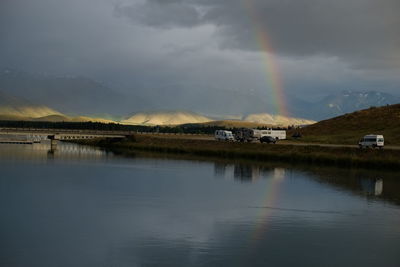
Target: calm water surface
{"points": [[80, 206]]}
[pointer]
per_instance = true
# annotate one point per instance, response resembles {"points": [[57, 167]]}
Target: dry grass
{"points": [[349, 128], [340, 156], [234, 124]]}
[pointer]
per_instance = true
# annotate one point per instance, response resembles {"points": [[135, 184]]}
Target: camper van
{"points": [[247, 135], [372, 141], [277, 134], [222, 135]]}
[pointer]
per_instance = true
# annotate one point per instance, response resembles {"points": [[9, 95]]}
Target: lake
{"points": [[80, 206]]}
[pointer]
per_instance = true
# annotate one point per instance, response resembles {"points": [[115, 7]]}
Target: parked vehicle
{"points": [[247, 135], [277, 134], [222, 135], [296, 135], [268, 139], [372, 141]]}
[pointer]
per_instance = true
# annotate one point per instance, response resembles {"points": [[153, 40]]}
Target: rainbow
{"points": [[272, 193], [273, 75]]}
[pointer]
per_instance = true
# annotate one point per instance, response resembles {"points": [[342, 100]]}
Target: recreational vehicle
{"points": [[372, 141], [248, 135], [277, 134], [222, 135]]}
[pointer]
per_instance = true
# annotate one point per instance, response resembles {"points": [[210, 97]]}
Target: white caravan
{"points": [[372, 141], [277, 134], [247, 135], [222, 135]]}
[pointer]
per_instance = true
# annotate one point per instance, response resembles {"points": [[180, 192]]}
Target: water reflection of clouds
{"points": [[285, 246], [174, 213]]}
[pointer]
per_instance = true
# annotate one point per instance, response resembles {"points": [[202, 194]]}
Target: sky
{"points": [[281, 48]]}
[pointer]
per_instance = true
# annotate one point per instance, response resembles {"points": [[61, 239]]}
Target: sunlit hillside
{"points": [[12, 107], [165, 118], [64, 118], [235, 124], [277, 120], [27, 111]]}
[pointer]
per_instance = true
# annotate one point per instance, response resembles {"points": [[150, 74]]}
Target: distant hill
{"points": [[276, 120], [233, 124], [61, 118], [19, 109], [165, 118], [349, 128], [82, 95], [53, 118], [12, 107], [185, 117], [77, 95], [27, 111]]}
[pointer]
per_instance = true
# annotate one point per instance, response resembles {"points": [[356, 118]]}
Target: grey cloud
{"points": [[365, 33], [163, 14], [172, 49]]}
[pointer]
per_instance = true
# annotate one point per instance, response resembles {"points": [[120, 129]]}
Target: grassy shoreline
{"points": [[311, 154]]}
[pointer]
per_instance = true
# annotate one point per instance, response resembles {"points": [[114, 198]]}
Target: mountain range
{"points": [[14, 108], [80, 95], [349, 101], [73, 95]]}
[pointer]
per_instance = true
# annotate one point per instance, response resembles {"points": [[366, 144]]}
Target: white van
{"points": [[372, 141], [222, 135]]}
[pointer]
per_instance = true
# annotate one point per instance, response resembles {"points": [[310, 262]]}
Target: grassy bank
{"points": [[345, 157], [349, 128]]}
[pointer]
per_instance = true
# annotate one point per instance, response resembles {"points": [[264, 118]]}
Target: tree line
{"points": [[99, 126]]}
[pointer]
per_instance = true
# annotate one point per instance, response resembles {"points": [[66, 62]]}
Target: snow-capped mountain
{"points": [[349, 101]]}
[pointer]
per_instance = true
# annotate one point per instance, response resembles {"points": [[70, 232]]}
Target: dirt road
{"points": [[283, 142]]}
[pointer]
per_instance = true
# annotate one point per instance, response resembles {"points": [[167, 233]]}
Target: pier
{"points": [[31, 135]]}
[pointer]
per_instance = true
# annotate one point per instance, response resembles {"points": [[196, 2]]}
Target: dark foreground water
{"points": [[82, 207]]}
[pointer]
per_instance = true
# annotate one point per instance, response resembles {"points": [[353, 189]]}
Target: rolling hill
{"points": [[249, 123], [165, 118], [349, 128], [12, 108], [185, 117], [79, 95], [18, 109], [64, 118], [231, 124], [276, 120]]}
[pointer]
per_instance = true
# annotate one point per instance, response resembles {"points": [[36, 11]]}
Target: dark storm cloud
{"points": [[186, 52], [365, 33], [164, 14]]}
